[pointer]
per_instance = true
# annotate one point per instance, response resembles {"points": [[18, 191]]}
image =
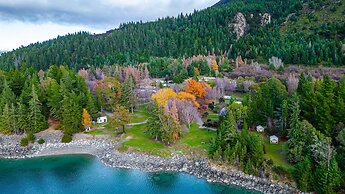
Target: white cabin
{"points": [[206, 79], [88, 128], [260, 128], [101, 120], [274, 139]]}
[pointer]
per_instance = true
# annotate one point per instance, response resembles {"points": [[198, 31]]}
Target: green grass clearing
{"points": [[140, 141], [197, 137], [276, 152], [238, 95], [95, 132], [213, 116], [139, 115]]}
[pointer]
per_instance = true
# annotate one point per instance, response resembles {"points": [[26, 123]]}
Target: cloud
{"points": [[17, 33], [97, 14]]}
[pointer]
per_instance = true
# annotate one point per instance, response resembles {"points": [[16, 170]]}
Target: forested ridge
{"points": [[203, 32]]}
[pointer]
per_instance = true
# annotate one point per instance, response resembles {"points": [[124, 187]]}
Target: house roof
{"points": [[259, 127], [223, 111]]}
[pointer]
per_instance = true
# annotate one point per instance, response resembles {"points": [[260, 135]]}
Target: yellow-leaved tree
{"points": [[162, 96], [188, 97], [86, 119], [196, 72], [215, 67]]}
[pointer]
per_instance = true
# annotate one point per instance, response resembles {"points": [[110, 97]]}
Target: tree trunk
{"points": [[123, 129]]}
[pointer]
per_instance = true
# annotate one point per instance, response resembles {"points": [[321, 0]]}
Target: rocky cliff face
{"points": [[265, 19], [239, 25]]}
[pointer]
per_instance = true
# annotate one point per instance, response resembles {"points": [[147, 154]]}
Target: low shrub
{"points": [[24, 142], [66, 138], [280, 170], [41, 141], [30, 137]]}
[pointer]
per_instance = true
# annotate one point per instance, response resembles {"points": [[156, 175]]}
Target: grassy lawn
{"points": [[138, 140], [139, 115], [213, 116], [237, 95], [276, 152], [197, 137]]}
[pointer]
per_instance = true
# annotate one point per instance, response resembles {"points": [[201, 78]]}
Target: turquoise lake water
{"points": [[73, 174]]}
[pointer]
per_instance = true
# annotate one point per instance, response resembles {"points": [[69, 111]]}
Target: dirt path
{"points": [[140, 123]]}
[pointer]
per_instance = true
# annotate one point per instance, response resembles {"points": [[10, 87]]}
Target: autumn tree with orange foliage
{"points": [[162, 96], [188, 97], [86, 119], [195, 88]]}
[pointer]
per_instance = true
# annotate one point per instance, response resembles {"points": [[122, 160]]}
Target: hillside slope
{"points": [[218, 30]]}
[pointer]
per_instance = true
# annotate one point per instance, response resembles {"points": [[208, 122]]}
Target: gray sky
{"points": [[27, 21]]}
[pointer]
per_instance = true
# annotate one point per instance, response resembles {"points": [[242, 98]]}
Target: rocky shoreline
{"points": [[106, 151]]}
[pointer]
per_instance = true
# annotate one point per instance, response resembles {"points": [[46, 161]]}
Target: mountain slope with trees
{"points": [[202, 32]]}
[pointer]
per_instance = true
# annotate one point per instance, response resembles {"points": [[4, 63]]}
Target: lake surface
{"points": [[86, 174]]}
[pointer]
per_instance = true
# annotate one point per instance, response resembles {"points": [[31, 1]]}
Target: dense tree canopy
{"points": [[199, 33]]}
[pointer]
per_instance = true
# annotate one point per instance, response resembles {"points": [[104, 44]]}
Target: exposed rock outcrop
{"points": [[265, 19], [239, 26], [241, 23]]}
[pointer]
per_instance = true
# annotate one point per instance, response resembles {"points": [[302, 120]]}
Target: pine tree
{"points": [[36, 120], [90, 104], [227, 154], [304, 175], [54, 98], [21, 114], [308, 99], [71, 113], [324, 116], [295, 110], [217, 155], [228, 129], [129, 99], [271, 95], [7, 96], [327, 177], [340, 102], [5, 123], [154, 124], [13, 118]]}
